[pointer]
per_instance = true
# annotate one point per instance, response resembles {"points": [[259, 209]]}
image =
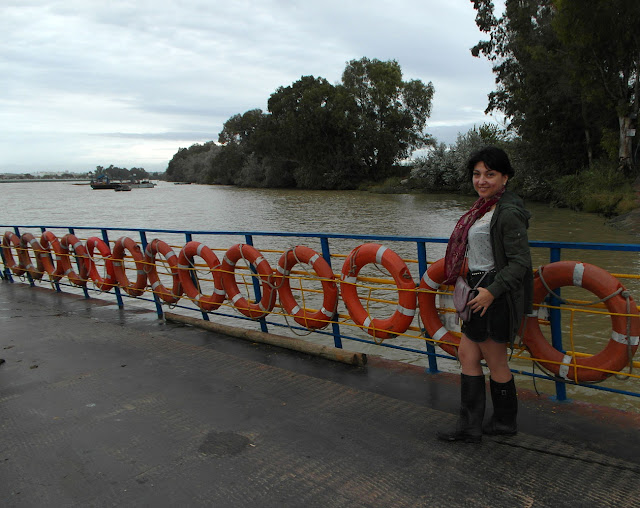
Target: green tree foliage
{"points": [[390, 114], [554, 61], [534, 90], [311, 132], [602, 40], [117, 173], [318, 135], [138, 174], [192, 164], [444, 167]]}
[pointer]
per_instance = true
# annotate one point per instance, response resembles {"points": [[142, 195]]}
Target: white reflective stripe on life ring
{"points": [[380, 252], [563, 372], [578, 274], [442, 331], [405, 311], [622, 338], [430, 282]]}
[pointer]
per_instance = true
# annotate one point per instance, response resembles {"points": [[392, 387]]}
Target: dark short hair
{"points": [[494, 158]]}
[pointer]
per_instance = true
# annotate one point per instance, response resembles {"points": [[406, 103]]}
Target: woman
{"points": [[493, 236]]}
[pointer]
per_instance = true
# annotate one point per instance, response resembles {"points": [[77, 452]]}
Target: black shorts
{"points": [[495, 323]]}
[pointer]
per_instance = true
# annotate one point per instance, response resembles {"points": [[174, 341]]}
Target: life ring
{"points": [[227, 278], [158, 246], [616, 354], [28, 240], [401, 319], [430, 283], [71, 241], [109, 280], [50, 241], [303, 316], [43, 254], [206, 303], [125, 243], [10, 240]]}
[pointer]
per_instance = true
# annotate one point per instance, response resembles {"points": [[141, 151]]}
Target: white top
{"points": [[480, 254]]}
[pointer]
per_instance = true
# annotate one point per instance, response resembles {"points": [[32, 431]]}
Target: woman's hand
{"points": [[482, 301]]}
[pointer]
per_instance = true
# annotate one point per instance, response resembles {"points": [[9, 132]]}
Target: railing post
{"points": [[422, 268], [79, 266], [144, 243], [555, 319], [256, 286], [54, 283], [116, 287], [335, 327], [189, 238]]}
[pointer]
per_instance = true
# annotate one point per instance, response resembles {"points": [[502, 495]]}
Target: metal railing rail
{"points": [[326, 240]]}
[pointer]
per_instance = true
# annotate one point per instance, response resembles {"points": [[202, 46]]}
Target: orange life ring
{"points": [[42, 254], [158, 246], [615, 355], [49, 241], [71, 241], [227, 278], [401, 319], [10, 240], [302, 316], [207, 303], [431, 281], [125, 243], [109, 280], [28, 240]]}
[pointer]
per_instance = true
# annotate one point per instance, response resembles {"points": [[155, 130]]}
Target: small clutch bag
{"points": [[462, 294]]}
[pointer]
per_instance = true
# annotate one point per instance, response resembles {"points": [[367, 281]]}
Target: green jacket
{"points": [[512, 257]]}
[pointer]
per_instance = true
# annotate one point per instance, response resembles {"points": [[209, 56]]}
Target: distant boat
{"points": [[122, 187], [181, 183], [141, 184], [102, 182]]}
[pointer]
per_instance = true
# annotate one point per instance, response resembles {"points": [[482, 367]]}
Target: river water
{"points": [[224, 208]]}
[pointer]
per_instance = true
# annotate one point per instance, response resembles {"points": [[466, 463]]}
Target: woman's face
{"points": [[487, 181]]}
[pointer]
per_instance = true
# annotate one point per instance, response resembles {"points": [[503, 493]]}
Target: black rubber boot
{"points": [[472, 402], [505, 409]]}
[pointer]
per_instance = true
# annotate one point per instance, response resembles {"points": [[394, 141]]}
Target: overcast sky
{"points": [[86, 83]]}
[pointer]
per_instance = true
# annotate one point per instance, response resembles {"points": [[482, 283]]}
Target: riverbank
{"points": [[629, 221], [111, 407]]}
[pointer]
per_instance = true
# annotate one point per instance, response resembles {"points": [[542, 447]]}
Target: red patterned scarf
{"points": [[457, 245]]}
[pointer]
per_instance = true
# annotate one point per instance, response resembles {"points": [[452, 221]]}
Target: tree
{"points": [[603, 40], [192, 164], [534, 89], [138, 174], [319, 135], [564, 75], [445, 167], [312, 125], [239, 129], [391, 114]]}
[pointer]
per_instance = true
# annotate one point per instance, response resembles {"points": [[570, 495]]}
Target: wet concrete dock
{"points": [[108, 407]]}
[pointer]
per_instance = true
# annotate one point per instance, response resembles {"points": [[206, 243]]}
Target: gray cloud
{"points": [[75, 72]]}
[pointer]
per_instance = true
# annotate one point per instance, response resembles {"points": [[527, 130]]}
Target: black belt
{"points": [[473, 274]]}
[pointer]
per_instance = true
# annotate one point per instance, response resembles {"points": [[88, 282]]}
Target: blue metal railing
{"points": [[327, 240]]}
